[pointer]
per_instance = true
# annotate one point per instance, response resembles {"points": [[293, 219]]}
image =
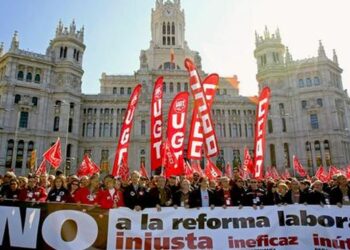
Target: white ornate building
{"points": [[41, 99]]}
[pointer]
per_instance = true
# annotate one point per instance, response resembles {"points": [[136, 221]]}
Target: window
{"points": [[318, 153], [250, 130], [17, 98], [234, 130], [316, 80], [327, 153], [23, 120], [129, 91], [106, 130], [9, 153], [78, 56], [230, 129], [186, 86], [308, 82], [270, 127], [164, 29], [89, 130], [168, 28], [178, 87], [173, 40], [83, 132], [284, 126], [164, 87], [20, 75], [319, 102], [56, 124], [173, 28], [29, 77], [65, 52], [70, 125], [74, 53], [314, 121], [143, 127], [286, 155], [37, 78], [69, 151], [20, 150], [303, 104], [171, 87], [281, 108], [272, 155], [114, 90], [122, 90], [164, 40], [35, 101], [301, 83], [61, 52]]}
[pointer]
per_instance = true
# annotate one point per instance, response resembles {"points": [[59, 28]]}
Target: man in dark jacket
{"points": [[160, 196], [254, 196], [295, 195], [340, 194], [135, 195]]}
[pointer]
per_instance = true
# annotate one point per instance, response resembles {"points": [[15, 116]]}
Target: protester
{"points": [[203, 196], [181, 197], [33, 192], [59, 192], [160, 196], [88, 192], [254, 196], [340, 194], [112, 196], [135, 195]]}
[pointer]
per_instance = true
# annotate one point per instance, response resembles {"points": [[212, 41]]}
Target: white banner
{"points": [[273, 227], [69, 226]]}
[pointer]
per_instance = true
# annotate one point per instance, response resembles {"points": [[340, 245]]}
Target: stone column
{"points": [[25, 156]]}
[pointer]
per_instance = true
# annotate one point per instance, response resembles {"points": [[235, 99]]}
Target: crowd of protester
{"points": [[140, 192]]}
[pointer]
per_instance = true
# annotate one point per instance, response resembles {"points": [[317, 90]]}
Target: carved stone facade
{"points": [[41, 99]]}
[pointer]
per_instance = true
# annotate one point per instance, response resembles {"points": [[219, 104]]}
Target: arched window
{"points": [[178, 87], [37, 78], [272, 155], [284, 125], [168, 28], [65, 52], [171, 87], [61, 52], [114, 90], [9, 153], [164, 43], [69, 151], [318, 153], [143, 127], [56, 123], [164, 28], [173, 28], [78, 56], [327, 153], [106, 111], [308, 154], [23, 119], [20, 151], [17, 98], [20, 75], [122, 90], [83, 132], [29, 154], [269, 126], [29, 77], [286, 155], [70, 125], [89, 130]]}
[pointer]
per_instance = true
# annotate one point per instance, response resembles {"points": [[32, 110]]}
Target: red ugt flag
{"points": [[298, 167], [211, 171], [54, 155], [42, 168], [87, 167]]}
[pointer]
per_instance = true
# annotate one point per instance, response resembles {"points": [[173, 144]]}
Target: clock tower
{"points": [[168, 25]]}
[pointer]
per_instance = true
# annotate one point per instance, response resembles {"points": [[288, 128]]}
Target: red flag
{"points": [[122, 149], [298, 167], [286, 174], [200, 103], [321, 174], [156, 124], [274, 173], [53, 155], [188, 169], [176, 130], [260, 132], [268, 173], [87, 167], [42, 168], [211, 171], [228, 170], [248, 161], [332, 171], [143, 170], [348, 172], [170, 162], [196, 167], [195, 141]]}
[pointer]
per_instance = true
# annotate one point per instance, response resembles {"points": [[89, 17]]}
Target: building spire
{"points": [[1, 48], [278, 35], [321, 51], [335, 57], [266, 33], [288, 56], [72, 27], [15, 42]]}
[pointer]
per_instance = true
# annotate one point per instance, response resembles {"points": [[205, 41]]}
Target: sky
{"points": [[221, 30]]}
